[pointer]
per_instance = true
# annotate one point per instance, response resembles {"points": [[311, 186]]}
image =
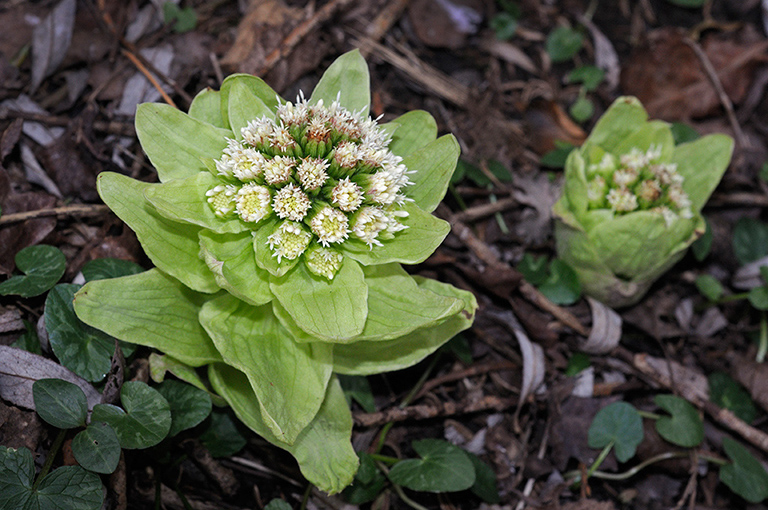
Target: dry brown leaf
{"points": [[262, 31], [754, 377], [444, 23], [50, 41], [606, 329], [668, 78], [19, 369], [546, 122], [19, 428]]}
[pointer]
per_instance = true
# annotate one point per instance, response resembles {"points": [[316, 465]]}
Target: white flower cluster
{"points": [[637, 181], [325, 171]]}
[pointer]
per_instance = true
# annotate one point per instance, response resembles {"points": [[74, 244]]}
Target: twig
{"points": [[140, 66], [483, 251], [461, 374], [692, 386], [718, 86], [384, 21], [425, 412], [67, 210], [422, 73], [300, 32]]}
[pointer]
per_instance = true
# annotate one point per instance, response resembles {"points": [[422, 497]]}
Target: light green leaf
{"points": [[433, 166], [348, 79], [159, 364], [334, 309], [97, 448], [42, 266], [410, 246], [232, 260], [323, 449], [443, 467], [415, 129], [145, 421], [256, 85], [655, 133], [622, 118], [372, 357], [244, 106], [702, 164], [206, 107], [189, 405], [60, 403], [150, 309], [289, 379], [635, 243], [82, 349], [397, 305], [184, 200], [172, 246], [176, 143]]}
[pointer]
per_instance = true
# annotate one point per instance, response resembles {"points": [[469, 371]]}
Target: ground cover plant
{"points": [[427, 254]]}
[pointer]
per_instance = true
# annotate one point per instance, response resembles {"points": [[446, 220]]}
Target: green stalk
{"points": [[600, 458], [51, 456], [762, 346], [575, 475]]}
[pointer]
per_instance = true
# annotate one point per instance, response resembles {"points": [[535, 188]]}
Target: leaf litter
{"points": [[518, 112]]}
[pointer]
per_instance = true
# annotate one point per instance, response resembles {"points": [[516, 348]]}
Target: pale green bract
{"points": [[631, 202], [277, 232]]}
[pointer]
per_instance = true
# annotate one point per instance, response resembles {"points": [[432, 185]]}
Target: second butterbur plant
{"points": [[632, 200], [278, 231]]}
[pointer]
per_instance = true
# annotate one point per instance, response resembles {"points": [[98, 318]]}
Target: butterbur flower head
{"points": [[631, 202], [277, 231], [318, 164], [289, 240]]}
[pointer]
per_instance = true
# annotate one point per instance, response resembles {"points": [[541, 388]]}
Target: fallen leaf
{"points": [[444, 23], [10, 320], [546, 122], [35, 130], [668, 78], [138, 89], [19, 369], [71, 175], [539, 193], [606, 329], [50, 41], [262, 31], [754, 377], [35, 173], [19, 428], [10, 138]]}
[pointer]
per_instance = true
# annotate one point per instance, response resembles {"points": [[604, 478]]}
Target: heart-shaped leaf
{"points": [[222, 437], [189, 405], [42, 266], [746, 476], [97, 448], [618, 423], [67, 488], [684, 428], [368, 483], [60, 403], [145, 421], [83, 349], [443, 467], [102, 269]]}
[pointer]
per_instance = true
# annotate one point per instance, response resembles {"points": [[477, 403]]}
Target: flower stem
{"points": [[762, 346], [649, 415], [51, 456], [600, 458]]}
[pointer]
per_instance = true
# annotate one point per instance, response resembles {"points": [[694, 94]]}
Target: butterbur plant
{"points": [[278, 231], [631, 202]]}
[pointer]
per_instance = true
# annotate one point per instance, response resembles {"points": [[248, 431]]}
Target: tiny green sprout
{"points": [[277, 231], [632, 200]]}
